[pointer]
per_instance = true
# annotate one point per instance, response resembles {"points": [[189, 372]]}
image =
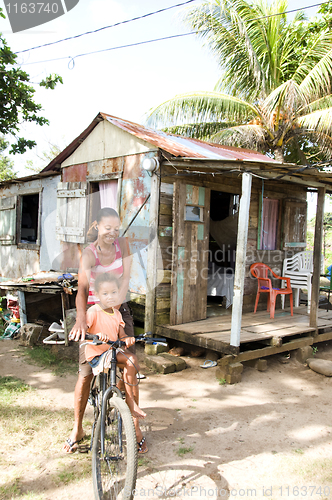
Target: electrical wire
{"points": [[107, 27], [72, 59], [111, 48], [147, 41]]}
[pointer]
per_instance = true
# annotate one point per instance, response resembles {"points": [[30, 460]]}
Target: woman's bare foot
{"points": [[135, 410]]}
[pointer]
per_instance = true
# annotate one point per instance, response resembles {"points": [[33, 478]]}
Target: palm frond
{"points": [[200, 107], [203, 131], [248, 136], [319, 121]]}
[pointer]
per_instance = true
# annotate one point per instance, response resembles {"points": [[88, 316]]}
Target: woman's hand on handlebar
{"points": [[78, 331], [128, 340]]}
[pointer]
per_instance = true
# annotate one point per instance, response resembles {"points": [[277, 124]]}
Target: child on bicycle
{"points": [[104, 320]]}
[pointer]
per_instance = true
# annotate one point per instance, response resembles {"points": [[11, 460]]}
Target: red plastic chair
{"points": [[261, 271]]}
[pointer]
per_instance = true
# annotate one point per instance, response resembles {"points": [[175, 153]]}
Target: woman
{"points": [[108, 253]]}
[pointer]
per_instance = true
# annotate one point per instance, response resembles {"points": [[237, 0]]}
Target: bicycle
{"points": [[113, 437]]}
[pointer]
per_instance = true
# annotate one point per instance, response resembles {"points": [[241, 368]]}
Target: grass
{"points": [[43, 357], [222, 381], [35, 429], [183, 450]]}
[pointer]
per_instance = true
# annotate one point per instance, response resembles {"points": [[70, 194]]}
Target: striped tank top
{"points": [[116, 267]]}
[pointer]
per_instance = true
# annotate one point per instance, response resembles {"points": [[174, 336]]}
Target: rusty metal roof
{"points": [[185, 147], [173, 144]]}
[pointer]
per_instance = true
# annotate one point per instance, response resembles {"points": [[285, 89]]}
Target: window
{"points": [[194, 214], [20, 220], [269, 224], [28, 222]]}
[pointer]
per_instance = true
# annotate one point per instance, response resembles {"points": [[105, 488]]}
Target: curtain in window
{"points": [[269, 224], [108, 194]]}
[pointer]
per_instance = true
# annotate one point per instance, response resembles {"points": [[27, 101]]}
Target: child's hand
{"points": [[102, 337]]}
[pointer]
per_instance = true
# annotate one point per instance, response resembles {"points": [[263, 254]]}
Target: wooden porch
{"points": [[260, 335]]}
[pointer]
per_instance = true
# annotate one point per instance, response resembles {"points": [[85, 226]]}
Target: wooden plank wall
{"points": [[273, 258], [164, 268]]}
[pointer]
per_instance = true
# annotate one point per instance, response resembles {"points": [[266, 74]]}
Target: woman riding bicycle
{"points": [[108, 253]]}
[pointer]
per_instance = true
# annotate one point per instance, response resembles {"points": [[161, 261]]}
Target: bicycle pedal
{"points": [[83, 448]]}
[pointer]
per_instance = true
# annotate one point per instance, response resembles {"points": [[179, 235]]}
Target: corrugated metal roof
{"points": [[173, 144], [185, 147]]}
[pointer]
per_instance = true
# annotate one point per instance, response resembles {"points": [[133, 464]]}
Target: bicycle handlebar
{"points": [[119, 343]]}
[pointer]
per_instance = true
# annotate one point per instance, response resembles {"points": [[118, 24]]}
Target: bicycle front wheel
{"points": [[114, 472]]}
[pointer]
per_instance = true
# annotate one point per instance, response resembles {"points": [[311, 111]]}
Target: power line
{"points": [[72, 59], [291, 11], [107, 27], [151, 14]]}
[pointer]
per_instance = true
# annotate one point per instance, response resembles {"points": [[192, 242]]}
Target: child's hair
{"points": [[105, 278]]}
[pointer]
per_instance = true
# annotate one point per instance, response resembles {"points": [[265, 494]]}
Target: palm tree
{"points": [[274, 94]]}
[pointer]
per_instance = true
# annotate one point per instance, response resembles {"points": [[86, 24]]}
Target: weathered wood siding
{"points": [[15, 261]]}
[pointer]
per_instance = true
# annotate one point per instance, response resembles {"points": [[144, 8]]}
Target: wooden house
{"points": [[196, 215], [27, 218]]}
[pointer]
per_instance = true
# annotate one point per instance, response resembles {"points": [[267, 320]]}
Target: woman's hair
{"points": [[105, 278], [103, 212], [106, 212]]}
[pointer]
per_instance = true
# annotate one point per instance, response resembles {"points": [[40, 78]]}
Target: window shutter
{"points": [[8, 220], [295, 224], [71, 212]]}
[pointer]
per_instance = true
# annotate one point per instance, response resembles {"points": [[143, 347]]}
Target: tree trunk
{"points": [[279, 155]]}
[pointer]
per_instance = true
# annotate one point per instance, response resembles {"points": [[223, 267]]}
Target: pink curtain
{"points": [[269, 224], [108, 194]]}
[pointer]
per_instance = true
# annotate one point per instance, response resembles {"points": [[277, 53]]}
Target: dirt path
{"points": [[268, 437]]}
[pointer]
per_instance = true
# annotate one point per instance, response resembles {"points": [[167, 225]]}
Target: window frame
{"points": [[19, 206]]}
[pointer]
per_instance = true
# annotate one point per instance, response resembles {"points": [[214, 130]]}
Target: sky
{"points": [[127, 82]]}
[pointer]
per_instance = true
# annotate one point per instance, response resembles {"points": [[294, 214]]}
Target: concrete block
{"points": [[29, 333], [160, 364], [225, 360], [213, 355], [231, 372], [235, 368], [234, 378], [151, 349], [69, 352], [303, 353], [180, 363], [258, 364], [221, 372]]}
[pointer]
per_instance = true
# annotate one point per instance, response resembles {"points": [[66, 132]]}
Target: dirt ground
{"points": [[268, 437]]}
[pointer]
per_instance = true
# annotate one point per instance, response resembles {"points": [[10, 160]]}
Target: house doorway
{"points": [[224, 209]]}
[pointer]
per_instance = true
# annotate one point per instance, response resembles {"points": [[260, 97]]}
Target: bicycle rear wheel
{"points": [[114, 474]]}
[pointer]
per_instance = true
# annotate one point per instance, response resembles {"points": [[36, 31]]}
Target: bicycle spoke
{"points": [[115, 470]]}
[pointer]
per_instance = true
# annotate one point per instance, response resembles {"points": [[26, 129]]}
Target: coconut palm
{"points": [[274, 94]]}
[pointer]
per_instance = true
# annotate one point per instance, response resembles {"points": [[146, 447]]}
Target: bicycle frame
{"points": [[105, 392]]}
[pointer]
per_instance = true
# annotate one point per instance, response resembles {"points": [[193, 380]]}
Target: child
{"points": [[105, 320]]}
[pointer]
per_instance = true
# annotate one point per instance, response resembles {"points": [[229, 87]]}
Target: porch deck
{"points": [[260, 335]]}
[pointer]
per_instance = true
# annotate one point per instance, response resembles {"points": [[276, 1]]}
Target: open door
{"points": [[191, 216]]}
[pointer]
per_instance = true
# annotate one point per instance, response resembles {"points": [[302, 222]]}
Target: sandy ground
{"points": [[267, 437]]}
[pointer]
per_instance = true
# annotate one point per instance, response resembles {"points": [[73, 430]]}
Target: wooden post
{"points": [[151, 271], [317, 258], [241, 251], [22, 308]]}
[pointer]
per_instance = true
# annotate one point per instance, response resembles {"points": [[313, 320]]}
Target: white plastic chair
{"points": [[299, 269]]}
